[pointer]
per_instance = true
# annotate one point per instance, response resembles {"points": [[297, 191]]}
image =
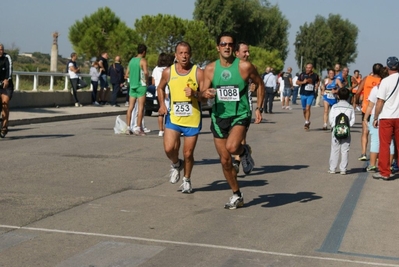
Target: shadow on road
{"points": [[276, 168], [275, 200], [223, 185], [38, 136]]}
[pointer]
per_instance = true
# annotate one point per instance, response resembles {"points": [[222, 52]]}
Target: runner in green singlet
{"points": [[226, 80]]}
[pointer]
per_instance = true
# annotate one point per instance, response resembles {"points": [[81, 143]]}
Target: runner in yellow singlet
{"points": [[183, 116]]}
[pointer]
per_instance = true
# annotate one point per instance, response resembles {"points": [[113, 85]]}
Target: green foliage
{"points": [[202, 44], [13, 53], [261, 58], [325, 42], [102, 32], [161, 33], [256, 22]]}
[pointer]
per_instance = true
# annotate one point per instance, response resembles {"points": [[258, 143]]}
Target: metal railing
{"points": [[36, 76]]}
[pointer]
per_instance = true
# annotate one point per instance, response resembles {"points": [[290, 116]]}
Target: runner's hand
{"points": [[258, 116]]}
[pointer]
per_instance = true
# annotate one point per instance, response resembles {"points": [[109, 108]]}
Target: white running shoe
{"points": [[160, 133], [175, 172], [235, 202], [147, 130], [186, 186], [127, 104]]}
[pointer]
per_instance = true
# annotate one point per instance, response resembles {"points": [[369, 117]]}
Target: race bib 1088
{"points": [[228, 93]]}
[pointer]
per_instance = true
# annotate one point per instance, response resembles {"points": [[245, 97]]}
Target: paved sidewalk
{"points": [[39, 115]]}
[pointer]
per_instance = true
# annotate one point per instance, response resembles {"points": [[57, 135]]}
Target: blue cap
{"points": [[393, 63]]}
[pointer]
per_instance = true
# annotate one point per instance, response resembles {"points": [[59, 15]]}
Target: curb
{"points": [[18, 122]]}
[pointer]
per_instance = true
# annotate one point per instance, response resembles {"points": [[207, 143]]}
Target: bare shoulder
{"points": [[210, 66], [166, 72], [200, 72], [209, 70]]}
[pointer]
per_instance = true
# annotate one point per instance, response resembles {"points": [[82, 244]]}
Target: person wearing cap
{"points": [[386, 117]]}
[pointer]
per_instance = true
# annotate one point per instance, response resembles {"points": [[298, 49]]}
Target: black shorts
{"points": [[9, 91], [221, 127]]}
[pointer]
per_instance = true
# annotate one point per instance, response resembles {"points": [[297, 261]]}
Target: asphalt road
{"points": [[72, 193]]}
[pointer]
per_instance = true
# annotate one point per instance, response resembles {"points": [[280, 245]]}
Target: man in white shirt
{"points": [[295, 91], [386, 117], [73, 72], [270, 88]]}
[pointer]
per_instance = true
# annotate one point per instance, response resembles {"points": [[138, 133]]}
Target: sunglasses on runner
{"points": [[224, 44]]}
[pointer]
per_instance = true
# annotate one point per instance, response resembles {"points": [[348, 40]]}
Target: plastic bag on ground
{"points": [[120, 126]]}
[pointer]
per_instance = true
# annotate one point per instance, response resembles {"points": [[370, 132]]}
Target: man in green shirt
{"points": [[137, 73], [226, 80]]}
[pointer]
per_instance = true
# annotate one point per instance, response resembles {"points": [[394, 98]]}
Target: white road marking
{"points": [[197, 245]]}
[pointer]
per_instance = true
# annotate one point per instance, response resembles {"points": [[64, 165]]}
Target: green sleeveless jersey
{"points": [[136, 74], [231, 98]]}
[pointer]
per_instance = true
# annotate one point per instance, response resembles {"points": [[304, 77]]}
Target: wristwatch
{"points": [[260, 109]]}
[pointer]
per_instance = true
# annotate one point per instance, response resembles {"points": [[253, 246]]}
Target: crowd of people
{"points": [[229, 82]]}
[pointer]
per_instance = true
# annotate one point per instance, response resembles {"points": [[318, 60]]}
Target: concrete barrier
{"points": [[28, 99]]}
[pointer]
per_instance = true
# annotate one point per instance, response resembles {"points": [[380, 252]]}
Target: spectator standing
{"points": [[386, 117], [269, 80], [340, 146], [6, 89], [117, 77], [164, 61], [94, 77], [296, 88], [281, 85], [288, 87], [73, 72], [364, 89], [104, 87], [138, 80]]}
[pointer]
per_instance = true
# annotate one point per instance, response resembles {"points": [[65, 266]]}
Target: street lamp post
{"points": [[301, 64]]}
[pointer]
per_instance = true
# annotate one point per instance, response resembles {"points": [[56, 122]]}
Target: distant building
{"points": [[26, 54]]}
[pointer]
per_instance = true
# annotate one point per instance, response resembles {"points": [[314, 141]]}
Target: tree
{"points": [[256, 22], [325, 42], [161, 33], [101, 32], [261, 58]]}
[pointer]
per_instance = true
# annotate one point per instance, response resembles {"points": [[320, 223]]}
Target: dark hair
{"points": [[343, 93], [163, 60], [171, 59], [356, 71], [238, 45], [377, 68], [73, 54], [384, 72], [225, 34], [183, 43], [141, 48]]}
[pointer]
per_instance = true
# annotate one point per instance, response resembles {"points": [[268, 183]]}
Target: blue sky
{"points": [[29, 25]]}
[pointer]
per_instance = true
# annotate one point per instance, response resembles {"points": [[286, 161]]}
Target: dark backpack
{"points": [[342, 127], [263, 75], [67, 65]]}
